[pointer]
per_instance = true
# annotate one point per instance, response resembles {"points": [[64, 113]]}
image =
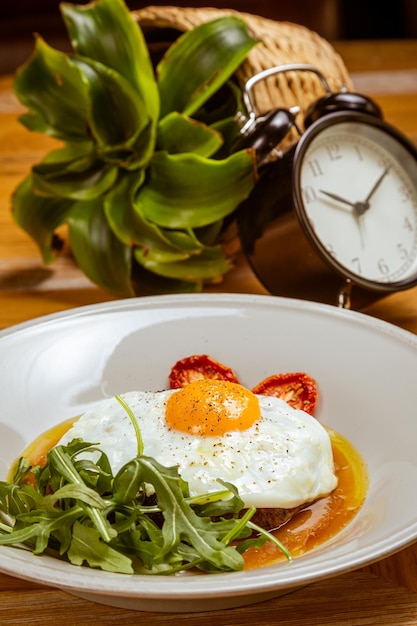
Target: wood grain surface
{"points": [[384, 593]]}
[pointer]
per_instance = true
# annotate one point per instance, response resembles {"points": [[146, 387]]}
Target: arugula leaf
{"points": [[182, 523], [77, 508], [36, 527], [87, 545], [60, 461]]}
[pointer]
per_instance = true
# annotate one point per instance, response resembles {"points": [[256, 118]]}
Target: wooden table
{"points": [[385, 593]]}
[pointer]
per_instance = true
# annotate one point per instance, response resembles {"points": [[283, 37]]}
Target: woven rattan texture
{"points": [[279, 43]]}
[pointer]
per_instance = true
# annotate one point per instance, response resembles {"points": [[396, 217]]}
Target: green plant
{"points": [[145, 176]]}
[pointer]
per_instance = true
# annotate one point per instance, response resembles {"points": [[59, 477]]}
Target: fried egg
{"points": [[276, 456]]}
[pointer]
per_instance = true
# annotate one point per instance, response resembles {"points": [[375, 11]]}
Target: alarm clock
{"points": [[333, 217]]}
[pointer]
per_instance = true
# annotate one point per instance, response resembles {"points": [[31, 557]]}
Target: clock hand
{"points": [[359, 207], [357, 212], [378, 182], [362, 207], [334, 196], [359, 223]]}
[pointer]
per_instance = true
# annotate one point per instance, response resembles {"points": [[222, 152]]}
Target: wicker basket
{"points": [[279, 43]]}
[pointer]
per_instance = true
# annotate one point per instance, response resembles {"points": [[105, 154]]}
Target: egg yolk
{"points": [[212, 407]]}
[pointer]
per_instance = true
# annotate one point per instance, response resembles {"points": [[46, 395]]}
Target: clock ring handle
{"points": [[267, 132], [272, 71]]}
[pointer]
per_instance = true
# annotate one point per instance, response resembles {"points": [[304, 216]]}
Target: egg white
{"points": [[282, 461]]}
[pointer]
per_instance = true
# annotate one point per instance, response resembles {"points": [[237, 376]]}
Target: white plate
{"points": [[55, 367]]}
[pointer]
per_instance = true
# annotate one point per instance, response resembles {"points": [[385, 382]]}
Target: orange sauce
{"points": [[310, 528], [323, 519], [35, 452]]}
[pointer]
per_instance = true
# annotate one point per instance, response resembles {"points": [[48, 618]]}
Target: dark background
{"points": [[333, 19]]}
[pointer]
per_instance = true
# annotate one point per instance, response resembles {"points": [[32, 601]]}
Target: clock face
{"points": [[355, 184]]}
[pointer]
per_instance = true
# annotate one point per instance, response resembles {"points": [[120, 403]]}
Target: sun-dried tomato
{"points": [[199, 367], [296, 388]]}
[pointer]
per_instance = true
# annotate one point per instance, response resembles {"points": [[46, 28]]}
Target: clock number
{"points": [[331, 250], [403, 252], [315, 168], [404, 193], [333, 150], [407, 224], [309, 194], [383, 267], [356, 262]]}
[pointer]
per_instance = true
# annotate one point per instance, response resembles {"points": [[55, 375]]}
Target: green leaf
{"points": [[221, 503], [146, 550], [153, 284], [120, 533], [103, 258], [38, 526], [78, 491], [129, 224], [127, 483], [199, 62], [230, 131], [188, 191], [133, 228], [118, 113], [11, 499], [76, 156], [182, 524], [73, 172], [39, 216], [87, 546], [103, 100], [179, 133], [96, 475], [38, 124], [209, 235], [209, 264], [61, 462], [106, 31], [62, 180], [20, 469], [54, 89], [222, 105], [184, 240]]}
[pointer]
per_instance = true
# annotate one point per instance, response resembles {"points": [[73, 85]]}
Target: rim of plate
{"points": [[319, 564]]}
